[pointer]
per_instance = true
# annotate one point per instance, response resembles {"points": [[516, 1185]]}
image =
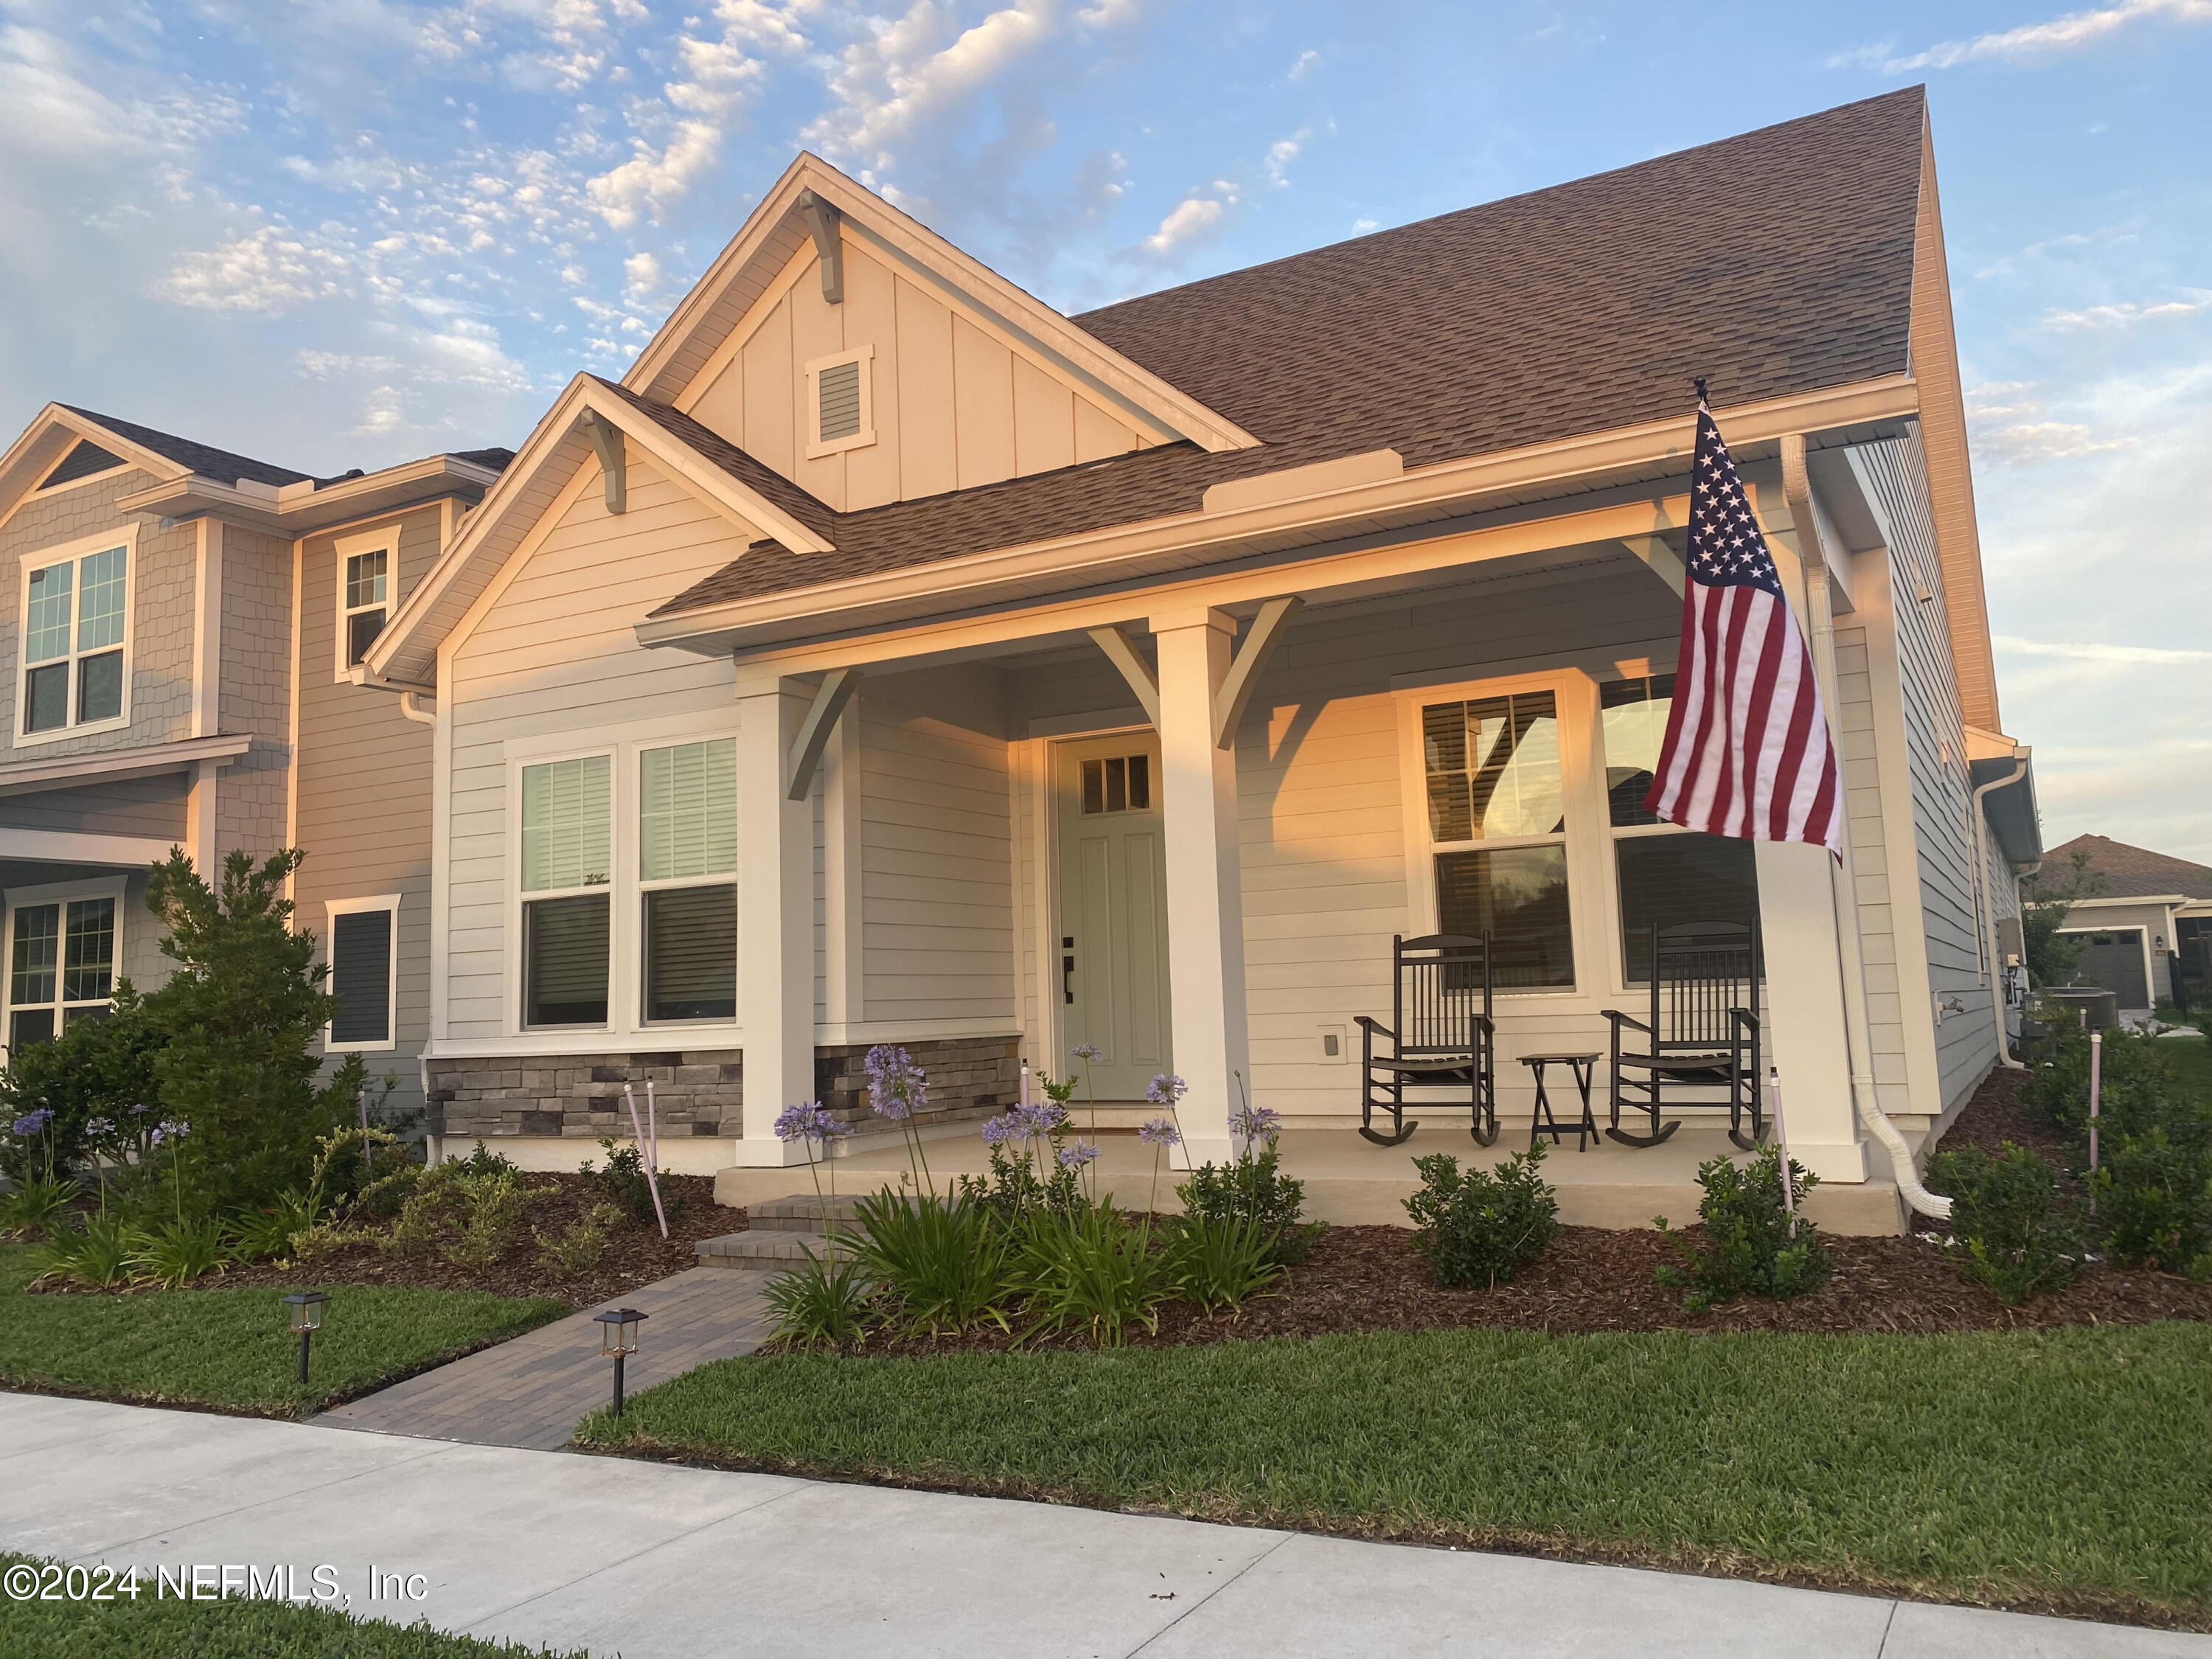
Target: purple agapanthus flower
{"points": [[170, 1128], [997, 1131], [1251, 1123], [139, 1111], [34, 1123], [809, 1120], [1040, 1120], [96, 1126], [897, 1088], [1075, 1156], [1085, 1051], [1160, 1132], [1166, 1089]]}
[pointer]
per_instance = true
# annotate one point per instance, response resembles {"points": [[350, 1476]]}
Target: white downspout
{"points": [[1842, 885], [1989, 909]]}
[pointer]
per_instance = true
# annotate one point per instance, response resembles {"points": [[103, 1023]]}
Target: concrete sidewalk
{"points": [[663, 1563]]}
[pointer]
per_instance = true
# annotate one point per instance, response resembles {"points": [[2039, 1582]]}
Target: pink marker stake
{"points": [[2096, 1088], [650, 1148], [1781, 1138]]}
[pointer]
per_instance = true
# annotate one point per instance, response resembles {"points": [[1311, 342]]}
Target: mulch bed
{"points": [[1591, 1278], [635, 1255]]}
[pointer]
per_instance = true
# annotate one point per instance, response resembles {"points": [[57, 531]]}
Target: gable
{"points": [[81, 462], [946, 401]]}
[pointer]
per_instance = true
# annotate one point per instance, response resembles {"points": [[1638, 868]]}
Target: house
{"points": [[888, 658], [2147, 930], [184, 633]]}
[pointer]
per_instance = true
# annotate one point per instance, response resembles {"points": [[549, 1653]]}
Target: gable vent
{"points": [[87, 458], [840, 393]]}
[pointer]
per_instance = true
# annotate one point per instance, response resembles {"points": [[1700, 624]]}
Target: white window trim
{"points": [[1590, 904], [333, 909], [626, 913], [384, 539], [816, 446], [126, 538], [60, 893]]}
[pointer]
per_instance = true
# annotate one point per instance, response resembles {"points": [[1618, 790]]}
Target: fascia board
{"points": [[65, 772], [52, 416], [1437, 492]]}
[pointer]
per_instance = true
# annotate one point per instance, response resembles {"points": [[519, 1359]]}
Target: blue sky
{"points": [[341, 232]]}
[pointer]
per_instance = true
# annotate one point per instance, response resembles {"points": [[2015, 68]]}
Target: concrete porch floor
{"points": [[1350, 1181]]}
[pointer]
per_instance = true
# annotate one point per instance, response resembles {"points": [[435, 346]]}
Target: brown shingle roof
{"points": [[2131, 872], [1776, 263], [204, 459]]}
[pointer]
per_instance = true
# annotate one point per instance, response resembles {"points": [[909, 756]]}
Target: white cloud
{"points": [[267, 270], [1193, 217], [1361, 226], [2010, 427], [2071, 32], [1309, 61], [2124, 315], [380, 415], [1282, 153], [2115, 655]]}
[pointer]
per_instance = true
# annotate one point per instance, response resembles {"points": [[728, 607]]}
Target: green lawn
{"points": [[229, 1348], [2192, 1060], [2069, 1470], [131, 1628]]}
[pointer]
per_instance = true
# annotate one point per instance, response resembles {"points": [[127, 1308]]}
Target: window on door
{"points": [[61, 966], [688, 835], [364, 601], [1117, 783], [567, 857], [1668, 877], [1497, 821], [74, 613]]}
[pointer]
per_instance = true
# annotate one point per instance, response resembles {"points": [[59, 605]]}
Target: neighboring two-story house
{"points": [[889, 657], [180, 628]]}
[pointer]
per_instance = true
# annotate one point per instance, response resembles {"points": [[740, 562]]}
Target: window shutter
{"points": [[688, 811], [361, 976], [839, 389], [566, 823]]}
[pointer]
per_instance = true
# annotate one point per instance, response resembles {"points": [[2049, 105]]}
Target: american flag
{"points": [[1746, 752]]}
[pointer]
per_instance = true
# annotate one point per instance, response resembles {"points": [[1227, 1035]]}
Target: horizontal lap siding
{"points": [[937, 848], [364, 801], [556, 653], [1935, 742], [1869, 856], [150, 807]]}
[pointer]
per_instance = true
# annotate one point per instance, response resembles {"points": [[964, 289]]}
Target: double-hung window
{"points": [[365, 574], [1666, 875], [687, 830], [567, 859], [61, 963], [76, 614], [1497, 810]]}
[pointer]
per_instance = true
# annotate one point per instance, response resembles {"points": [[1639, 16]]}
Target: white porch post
{"points": [[775, 923], [1805, 1036], [1206, 906]]}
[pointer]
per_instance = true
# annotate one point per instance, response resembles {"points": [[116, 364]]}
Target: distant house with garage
{"points": [[2146, 932]]}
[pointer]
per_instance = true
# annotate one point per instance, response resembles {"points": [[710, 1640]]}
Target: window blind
{"points": [[691, 953], [564, 968], [688, 811], [361, 976], [566, 824]]}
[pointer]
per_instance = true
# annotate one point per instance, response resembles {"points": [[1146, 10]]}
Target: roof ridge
{"points": [[192, 454]]}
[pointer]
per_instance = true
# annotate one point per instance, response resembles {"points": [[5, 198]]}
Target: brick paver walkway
{"points": [[534, 1390]]}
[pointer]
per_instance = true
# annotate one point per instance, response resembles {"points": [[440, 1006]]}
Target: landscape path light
{"points": [[304, 1311], [618, 1341]]}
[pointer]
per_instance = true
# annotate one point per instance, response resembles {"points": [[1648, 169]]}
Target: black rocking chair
{"points": [[1702, 1034], [1440, 1035]]}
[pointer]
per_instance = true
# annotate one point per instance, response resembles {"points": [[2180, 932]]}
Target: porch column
{"points": [[1805, 1036], [775, 922], [1205, 904]]}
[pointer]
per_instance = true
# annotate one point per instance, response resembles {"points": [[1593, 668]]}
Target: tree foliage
{"points": [[2046, 898]]}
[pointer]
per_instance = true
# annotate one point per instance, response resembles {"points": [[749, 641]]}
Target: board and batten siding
{"points": [[363, 802], [1934, 733], [555, 652], [953, 406], [1856, 720]]}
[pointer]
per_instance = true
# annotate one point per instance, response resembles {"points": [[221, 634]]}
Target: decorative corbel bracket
{"points": [[836, 690], [607, 439], [822, 220]]}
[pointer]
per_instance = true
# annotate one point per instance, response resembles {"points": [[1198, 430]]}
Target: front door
{"points": [[1112, 964]]}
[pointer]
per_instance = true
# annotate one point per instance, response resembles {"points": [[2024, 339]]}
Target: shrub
{"points": [[176, 1253], [89, 1078], [95, 1253], [2006, 1231], [1013, 1189], [1477, 1228], [1221, 1261], [2136, 1090], [1093, 1270], [2152, 1198], [1752, 1242], [622, 1183], [944, 1263], [38, 1204], [470, 1214], [239, 1017], [1254, 1189], [579, 1246], [826, 1303], [266, 1233]]}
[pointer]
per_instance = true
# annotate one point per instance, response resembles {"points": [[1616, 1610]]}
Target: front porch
{"points": [[1349, 1182]]}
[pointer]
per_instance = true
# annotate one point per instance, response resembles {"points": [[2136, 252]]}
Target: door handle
{"points": [[1068, 971]]}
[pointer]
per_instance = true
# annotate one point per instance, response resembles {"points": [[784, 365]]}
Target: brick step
{"points": [[801, 1213], [768, 1250]]}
